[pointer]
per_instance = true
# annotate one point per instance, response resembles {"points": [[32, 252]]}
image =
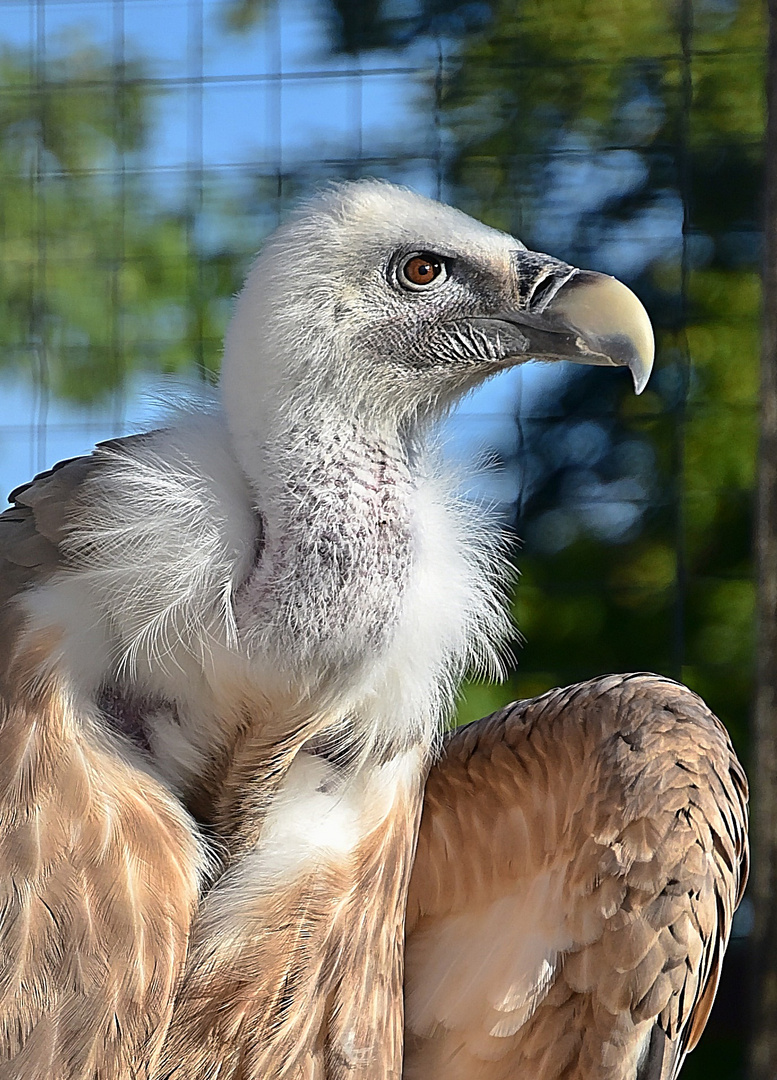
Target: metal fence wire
{"points": [[148, 146]]}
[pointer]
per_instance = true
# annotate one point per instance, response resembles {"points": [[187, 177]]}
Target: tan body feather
{"points": [[99, 865], [305, 981], [605, 824]]}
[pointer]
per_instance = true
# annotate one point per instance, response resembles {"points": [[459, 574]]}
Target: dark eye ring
{"points": [[420, 270]]}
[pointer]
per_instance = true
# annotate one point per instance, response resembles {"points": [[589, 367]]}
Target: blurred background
{"points": [[148, 146]]}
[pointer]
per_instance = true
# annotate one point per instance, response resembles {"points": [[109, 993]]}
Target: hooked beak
{"points": [[563, 313]]}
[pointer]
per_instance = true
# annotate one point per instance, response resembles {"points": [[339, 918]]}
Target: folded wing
{"points": [[579, 862], [98, 864]]}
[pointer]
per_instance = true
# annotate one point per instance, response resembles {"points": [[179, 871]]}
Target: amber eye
{"points": [[420, 270]]}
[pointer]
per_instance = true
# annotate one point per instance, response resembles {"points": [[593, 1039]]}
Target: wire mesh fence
{"points": [[147, 147]]}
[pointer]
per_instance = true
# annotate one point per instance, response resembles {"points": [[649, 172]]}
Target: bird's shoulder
{"points": [[142, 541], [92, 844], [590, 847], [40, 517], [173, 481]]}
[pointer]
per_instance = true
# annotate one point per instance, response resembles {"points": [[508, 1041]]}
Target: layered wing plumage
{"points": [[579, 862], [31, 530], [98, 862]]}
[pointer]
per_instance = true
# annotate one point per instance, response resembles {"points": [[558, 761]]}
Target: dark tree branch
{"points": [[763, 1051]]}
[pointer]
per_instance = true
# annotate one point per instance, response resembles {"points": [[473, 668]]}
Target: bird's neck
{"points": [[327, 470], [373, 588], [326, 592], [335, 432]]}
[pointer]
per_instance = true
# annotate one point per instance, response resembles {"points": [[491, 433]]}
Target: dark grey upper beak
{"points": [[579, 315]]}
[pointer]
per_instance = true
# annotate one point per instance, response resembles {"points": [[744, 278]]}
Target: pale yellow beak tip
{"points": [[611, 320]]}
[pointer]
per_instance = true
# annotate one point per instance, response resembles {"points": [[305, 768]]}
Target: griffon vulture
{"points": [[227, 650]]}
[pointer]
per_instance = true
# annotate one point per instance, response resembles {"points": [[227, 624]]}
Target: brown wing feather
{"points": [[32, 528], [304, 981], [579, 862], [30, 531], [98, 863]]}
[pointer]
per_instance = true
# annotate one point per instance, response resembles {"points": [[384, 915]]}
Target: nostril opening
{"points": [[543, 292]]}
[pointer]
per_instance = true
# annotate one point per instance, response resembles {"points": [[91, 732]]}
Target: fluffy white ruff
{"points": [[166, 532]]}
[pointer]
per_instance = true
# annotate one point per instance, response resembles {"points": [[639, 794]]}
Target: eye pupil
{"points": [[422, 269]]}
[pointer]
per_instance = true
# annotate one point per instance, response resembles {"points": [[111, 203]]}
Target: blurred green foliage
{"points": [[97, 275], [673, 95]]}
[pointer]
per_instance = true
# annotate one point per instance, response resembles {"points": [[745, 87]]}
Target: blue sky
{"points": [[247, 117]]}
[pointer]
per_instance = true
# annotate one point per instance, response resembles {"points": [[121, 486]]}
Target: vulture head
{"points": [[379, 308]]}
